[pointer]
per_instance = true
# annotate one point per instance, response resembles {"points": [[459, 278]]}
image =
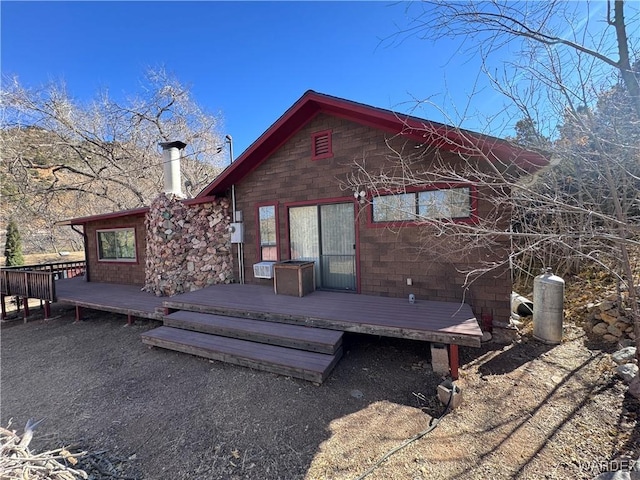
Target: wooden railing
{"points": [[60, 269], [37, 281], [27, 284]]}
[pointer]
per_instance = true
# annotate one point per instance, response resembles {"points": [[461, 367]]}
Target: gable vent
{"points": [[321, 145]]}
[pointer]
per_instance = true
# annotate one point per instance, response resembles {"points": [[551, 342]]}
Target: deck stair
{"points": [[294, 350]]}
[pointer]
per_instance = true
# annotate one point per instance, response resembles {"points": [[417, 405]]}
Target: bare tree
{"points": [[63, 158], [569, 72]]}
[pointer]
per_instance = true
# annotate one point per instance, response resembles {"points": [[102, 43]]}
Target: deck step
{"points": [[285, 335], [311, 366]]}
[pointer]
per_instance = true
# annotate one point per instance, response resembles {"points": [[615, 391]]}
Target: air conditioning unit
{"points": [[263, 269]]}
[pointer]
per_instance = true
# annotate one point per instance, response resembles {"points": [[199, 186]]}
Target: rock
{"points": [[625, 319], [356, 394], [627, 371], [486, 337], [607, 317], [615, 331], [634, 388], [625, 355], [625, 342], [610, 338], [605, 305], [623, 326], [600, 328]]}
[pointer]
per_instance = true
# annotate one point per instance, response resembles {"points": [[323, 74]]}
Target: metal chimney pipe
{"points": [[171, 167]]}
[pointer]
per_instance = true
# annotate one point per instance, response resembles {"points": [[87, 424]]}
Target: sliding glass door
{"points": [[325, 234]]}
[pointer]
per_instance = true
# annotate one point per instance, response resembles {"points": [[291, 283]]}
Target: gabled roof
{"points": [[439, 135]]}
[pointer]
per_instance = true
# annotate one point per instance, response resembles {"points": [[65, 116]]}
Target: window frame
{"points": [[314, 138], [259, 244], [473, 205], [117, 259]]}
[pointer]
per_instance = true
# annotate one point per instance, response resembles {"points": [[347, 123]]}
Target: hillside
{"points": [[46, 178]]}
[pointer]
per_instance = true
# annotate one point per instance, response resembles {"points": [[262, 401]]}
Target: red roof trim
{"points": [[106, 216], [277, 134], [128, 213], [436, 134]]}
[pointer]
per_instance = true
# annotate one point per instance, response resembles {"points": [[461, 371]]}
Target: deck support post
{"points": [[47, 309], [454, 362], [130, 319], [25, 309], [3, 305], [78, 313]]}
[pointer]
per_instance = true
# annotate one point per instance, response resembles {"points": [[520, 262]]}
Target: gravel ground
{"points": [[529, 411]]}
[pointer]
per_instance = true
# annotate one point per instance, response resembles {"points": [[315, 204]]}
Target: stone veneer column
{"points": [[188, 246]]}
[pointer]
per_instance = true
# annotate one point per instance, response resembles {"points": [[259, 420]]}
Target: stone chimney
{"points": [[171, 167]]}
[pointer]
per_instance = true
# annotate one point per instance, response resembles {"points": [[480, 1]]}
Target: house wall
{"points": [[387, 256], [179, 247], [129, 273]]}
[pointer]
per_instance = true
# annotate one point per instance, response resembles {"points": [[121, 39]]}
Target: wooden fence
{"points": [[37, 281]]}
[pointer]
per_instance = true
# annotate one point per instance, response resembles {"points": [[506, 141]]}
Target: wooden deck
{"points": [[109, 297], [251, 326], [443, 322]]}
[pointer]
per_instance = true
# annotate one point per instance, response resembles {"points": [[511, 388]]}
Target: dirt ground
{"points": [[529, 411]]}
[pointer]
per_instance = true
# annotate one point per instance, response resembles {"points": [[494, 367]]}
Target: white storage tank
{"points": [[548, 313]]}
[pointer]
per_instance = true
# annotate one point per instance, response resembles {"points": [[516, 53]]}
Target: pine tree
{"points": [[13, 245]]}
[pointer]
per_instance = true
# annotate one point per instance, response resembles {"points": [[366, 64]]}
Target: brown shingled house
{"points": [[287, 186], [289, 202]]}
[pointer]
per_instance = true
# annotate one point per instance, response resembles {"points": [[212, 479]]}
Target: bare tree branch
{"points": [[102, 154]]}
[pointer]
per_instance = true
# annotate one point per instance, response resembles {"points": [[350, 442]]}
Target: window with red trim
{"points": [[116, 245], [267, 229], [321, 145], [450, 203]]}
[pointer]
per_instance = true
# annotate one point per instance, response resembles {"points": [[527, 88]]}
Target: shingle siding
{"points": [[387, 258], [116, 272]]}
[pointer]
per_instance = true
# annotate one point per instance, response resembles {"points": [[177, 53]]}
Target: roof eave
{"points": [[445, 137], [285, 126], [106, 216]]}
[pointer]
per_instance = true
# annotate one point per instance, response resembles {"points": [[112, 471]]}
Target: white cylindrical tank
{"points": [[548, 314]]}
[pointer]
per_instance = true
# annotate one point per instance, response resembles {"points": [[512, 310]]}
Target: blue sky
{"points": [[249, 61]]}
